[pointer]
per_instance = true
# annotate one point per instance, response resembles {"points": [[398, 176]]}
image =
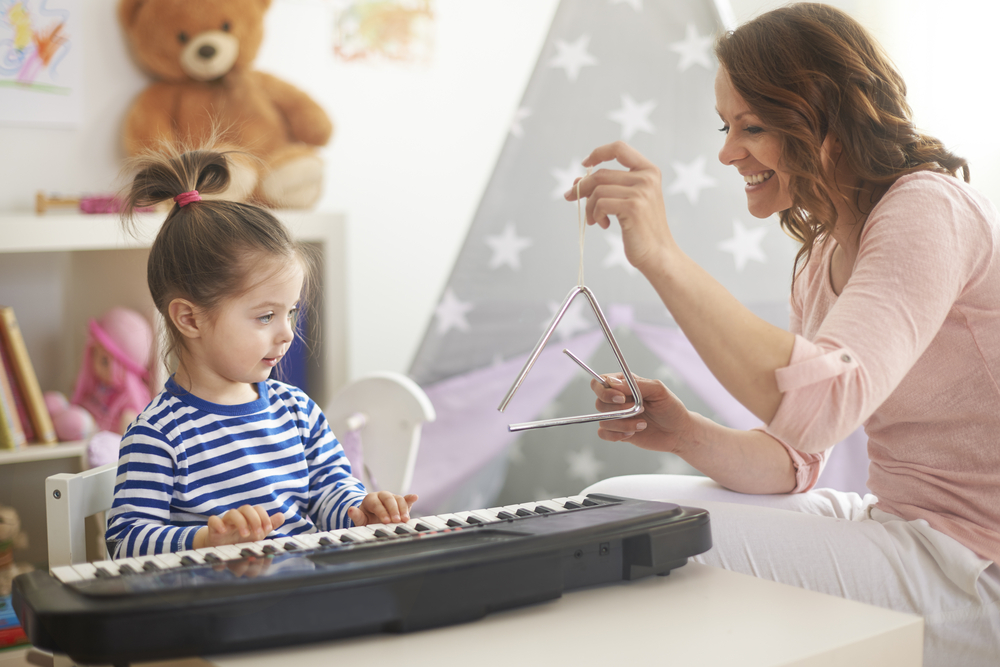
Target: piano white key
{"points": [[359, 534], [142, 560], [576, 499], [433, 522], [133, 564], [108, 566], [66, 574], [170, 560], [452, 517], [195, 555], [548, 504], [208, 552], [85, 570], [228, 551], [309, 540], [297, 545]]}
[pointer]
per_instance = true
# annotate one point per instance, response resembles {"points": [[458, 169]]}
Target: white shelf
{"points": [[28, 453]]}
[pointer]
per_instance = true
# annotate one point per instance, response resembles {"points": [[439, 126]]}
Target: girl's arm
{"points": [[140, 516], [333, 489]]}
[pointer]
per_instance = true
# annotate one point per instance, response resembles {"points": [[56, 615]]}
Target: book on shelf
{"points": [[11, 433], [15, 395], [24, 377]]}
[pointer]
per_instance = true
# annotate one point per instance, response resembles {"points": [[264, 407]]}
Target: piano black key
{"points": [[150, 566], [542, 509], [474, 519], [269, 549], [505, 515], [381, 533], [126, 569], [570, 505], [291, 546], [347, 539], [326, 541], [101, 573], [587, 502], [456, 523], [187, 560], [212, 558], [422, 528], [524, 512], [403, 530], [248, 553]]}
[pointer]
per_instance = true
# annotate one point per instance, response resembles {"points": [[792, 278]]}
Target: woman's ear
{"points": [[186, 318]]}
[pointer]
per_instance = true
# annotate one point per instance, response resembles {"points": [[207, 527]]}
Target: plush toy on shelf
{"points": [[200, 54], [112, 386]]}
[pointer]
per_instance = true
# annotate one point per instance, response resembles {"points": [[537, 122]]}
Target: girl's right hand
{"points": [[246, 524], [664, 425]]}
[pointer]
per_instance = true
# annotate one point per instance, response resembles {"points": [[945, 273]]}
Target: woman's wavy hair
{"points": [[808, 70], [209, 250]]}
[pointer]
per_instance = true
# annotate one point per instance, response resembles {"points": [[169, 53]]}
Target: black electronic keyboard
{"points": [[428, 572]]}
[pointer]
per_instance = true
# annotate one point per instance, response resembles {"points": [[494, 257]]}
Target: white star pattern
{"points": [[507, 248], [694, 49], [616, 254], [634, 4], [573, 321], [745, 244], [583, 465], [451, 313], [515, 125], [566, 177], [633, 117], [573, 56], [691, 179]]}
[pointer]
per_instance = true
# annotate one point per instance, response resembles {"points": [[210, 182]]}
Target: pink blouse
{"points": [[911, 349]]}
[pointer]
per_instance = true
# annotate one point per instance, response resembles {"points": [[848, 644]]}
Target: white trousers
{"points": [[838, 543]]}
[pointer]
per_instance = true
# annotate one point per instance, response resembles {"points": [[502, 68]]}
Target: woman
{"points": [[895, 325]]}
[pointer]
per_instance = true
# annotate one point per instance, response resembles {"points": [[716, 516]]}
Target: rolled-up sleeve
{"points": [[917, 253]]}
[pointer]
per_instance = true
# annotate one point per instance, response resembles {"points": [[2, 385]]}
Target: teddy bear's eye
{"points": [[225, 27], [182, 38]]}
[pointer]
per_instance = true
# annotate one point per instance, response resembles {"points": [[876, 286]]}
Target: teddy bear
{"points": [[200, 53], [11, 538]]}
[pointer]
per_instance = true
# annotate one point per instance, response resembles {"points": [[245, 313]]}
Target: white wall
{"points": [[414, 146]]}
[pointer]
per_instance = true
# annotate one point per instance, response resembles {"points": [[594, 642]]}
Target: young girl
{"points": [[224, 454]]}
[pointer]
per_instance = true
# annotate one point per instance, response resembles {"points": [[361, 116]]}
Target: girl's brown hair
{"points": [[206, 251], [808, 70]]}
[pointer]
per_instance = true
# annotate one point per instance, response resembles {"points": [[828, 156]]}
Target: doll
{"points": [[112, 386]]}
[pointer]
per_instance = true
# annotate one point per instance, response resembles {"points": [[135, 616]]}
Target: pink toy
{"points": [[111, 388]]}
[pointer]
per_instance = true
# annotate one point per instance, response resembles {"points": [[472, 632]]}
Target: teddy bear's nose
{"points": [[207, 51]]}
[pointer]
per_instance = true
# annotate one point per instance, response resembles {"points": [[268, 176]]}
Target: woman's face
{"points": [[753, 149]]}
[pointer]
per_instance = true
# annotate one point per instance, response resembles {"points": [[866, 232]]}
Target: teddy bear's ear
{"points": [[127, 11]]}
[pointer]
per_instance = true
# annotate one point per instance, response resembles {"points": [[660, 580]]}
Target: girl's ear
{"points": [[185, 317]]}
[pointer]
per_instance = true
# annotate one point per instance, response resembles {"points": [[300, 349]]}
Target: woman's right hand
{"points": [[634, 197], [664, 425]]}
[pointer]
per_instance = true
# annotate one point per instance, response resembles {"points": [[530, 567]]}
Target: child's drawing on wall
{"points": [[394, 30], [39, 61]]}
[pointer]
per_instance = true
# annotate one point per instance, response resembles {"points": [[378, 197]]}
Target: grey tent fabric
{"points": [[641, 71]]}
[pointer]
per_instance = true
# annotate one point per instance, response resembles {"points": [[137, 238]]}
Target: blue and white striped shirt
{"points": [[184, 459]]}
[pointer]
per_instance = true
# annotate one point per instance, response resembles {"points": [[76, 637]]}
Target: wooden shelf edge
{"points": [[27, 453]]}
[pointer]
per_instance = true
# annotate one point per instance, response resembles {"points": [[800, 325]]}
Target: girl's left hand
{"points": [[382, 507]]}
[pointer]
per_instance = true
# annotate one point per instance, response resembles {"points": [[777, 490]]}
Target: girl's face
{"points": [[248, 335], [753, 149]]}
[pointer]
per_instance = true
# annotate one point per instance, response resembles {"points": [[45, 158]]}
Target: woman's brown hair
{"points": [[808, 70], [209, 250]]}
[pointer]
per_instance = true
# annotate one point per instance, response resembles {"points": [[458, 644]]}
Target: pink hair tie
{"points": [[185, 198]]}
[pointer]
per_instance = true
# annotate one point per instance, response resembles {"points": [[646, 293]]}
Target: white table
{"points": [[698, 615]]}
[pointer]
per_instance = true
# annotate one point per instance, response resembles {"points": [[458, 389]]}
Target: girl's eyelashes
{"points": [[724, 129], [265, 319]]}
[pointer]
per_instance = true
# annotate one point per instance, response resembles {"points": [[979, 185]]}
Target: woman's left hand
{"points": [[635, 197]]}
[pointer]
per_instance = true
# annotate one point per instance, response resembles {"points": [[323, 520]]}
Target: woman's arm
{"points": [[744, 461], [742, 350]]}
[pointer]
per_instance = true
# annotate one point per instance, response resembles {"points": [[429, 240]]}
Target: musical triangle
{"points": [[580, 419]]}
